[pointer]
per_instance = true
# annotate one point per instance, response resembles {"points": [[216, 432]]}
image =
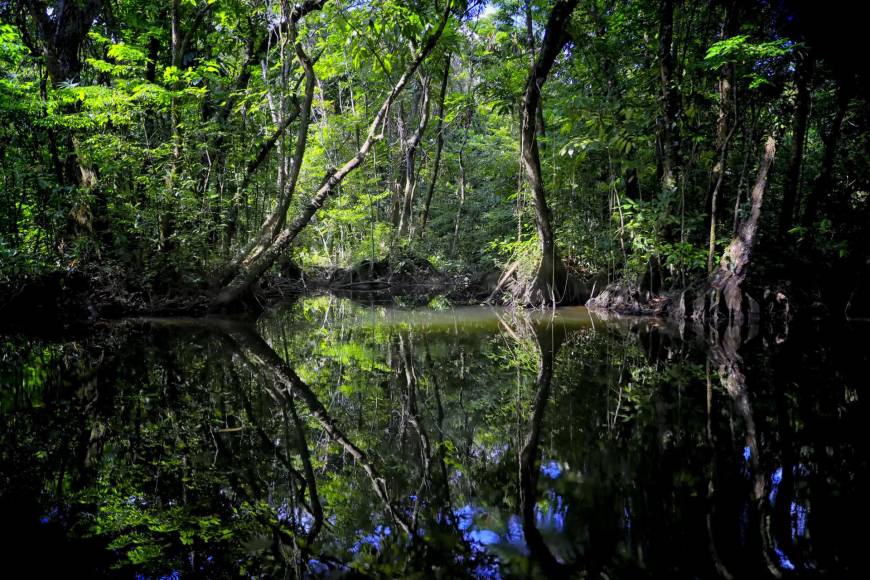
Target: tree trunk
{"points": [[439, 146], [549, 283], [822, 185], [460, 206], [255, 264], [275, 221], [256, 50], [723, 135], [530, 44], [790, 195], [726, 281], [669, 132], [410, 148], [63, 31]]}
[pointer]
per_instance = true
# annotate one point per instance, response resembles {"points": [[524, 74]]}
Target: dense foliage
{"points": [[162, 141]]}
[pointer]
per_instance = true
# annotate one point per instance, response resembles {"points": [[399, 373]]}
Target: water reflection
{"points": [[331, 438]]}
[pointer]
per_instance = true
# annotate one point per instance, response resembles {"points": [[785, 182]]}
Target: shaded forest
{"points": [[211, 209], [655, 156]]}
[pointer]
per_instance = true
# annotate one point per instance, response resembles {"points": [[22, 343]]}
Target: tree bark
{"points": [[255, 264], [822, 185], [439, 146], [549, 280], [790, 194], [726, 281], [410, 148], [723, 135], [669, 132]]}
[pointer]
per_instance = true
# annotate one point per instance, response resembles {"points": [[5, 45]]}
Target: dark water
{"points": [[331, 439]]}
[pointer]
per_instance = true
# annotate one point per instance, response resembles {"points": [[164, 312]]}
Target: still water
{"points": [[328, 438]]}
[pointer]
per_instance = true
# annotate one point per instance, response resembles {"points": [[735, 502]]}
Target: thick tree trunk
{"points": [[549, 283], [533, 55], [790, 195], [62, 28], [258, 261], [439, 146], [726, 281]]}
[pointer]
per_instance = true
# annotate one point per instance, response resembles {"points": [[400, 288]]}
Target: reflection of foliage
{"points": [[165, 450]]}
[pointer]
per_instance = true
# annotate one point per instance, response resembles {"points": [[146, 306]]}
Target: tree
{"points": [[791, 189], [549, 284], [726, 281], [263, 255]]}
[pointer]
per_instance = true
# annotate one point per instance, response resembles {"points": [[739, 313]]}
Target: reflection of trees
{"points": [[547, 337], [289, 416], [723, 354], [259, 355], [300, 467]]}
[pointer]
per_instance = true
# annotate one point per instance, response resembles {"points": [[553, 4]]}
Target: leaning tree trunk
{"points": [[549, 284], [725, 283], [252, 267], [275, 221]]}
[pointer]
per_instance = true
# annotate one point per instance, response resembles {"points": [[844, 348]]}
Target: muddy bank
{"points": [[76, 297], [67, 299]]}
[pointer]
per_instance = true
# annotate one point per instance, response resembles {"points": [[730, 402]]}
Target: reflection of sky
{"points": [[297, 516], [783, 560], [373, 540], [317, 567], [515, 534], [551, 512], [798, 514], [478, 539], [551, 469], [493, 454], [485, 537]]}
